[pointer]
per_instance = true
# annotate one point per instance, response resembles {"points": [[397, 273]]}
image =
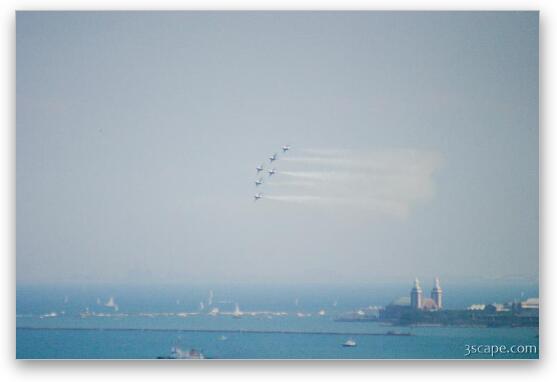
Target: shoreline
{"points": [[239, 331]]}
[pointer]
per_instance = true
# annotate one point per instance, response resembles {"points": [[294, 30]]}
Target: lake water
{"points": [[72, 322]]}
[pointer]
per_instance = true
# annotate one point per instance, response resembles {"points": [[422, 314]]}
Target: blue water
{"points": [[146, 324]]}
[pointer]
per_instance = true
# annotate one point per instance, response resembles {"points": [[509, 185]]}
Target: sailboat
{"points": [[237, 313], [111, 304]]}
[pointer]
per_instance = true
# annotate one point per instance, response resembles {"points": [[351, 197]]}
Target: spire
{"points": [[417, 283], [437, 293], [416, 295]]}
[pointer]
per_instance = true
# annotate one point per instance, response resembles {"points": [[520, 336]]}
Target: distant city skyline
{"points": [[414, 146]]}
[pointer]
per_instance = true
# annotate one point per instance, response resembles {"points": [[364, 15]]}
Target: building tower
{"points": [[416, 296], [437, 294]]}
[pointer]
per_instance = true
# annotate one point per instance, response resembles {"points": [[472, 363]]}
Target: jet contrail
{"points": [[293, 183], [325, 152], [364, 203], [314, 175], [320, 177], [298, 198], [385, 181], [399, 161], [322, 161]]}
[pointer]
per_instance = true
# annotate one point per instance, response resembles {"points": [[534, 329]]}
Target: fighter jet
{"points": [[257, 196], [285, 148], [273, 157], [272, 171], [259, 168], [259, 182]]}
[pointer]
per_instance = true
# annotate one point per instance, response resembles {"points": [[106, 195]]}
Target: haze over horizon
{"points": [[414, 146]]}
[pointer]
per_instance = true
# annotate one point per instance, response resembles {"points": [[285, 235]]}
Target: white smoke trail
{"points": [[298, 198], [293, 183], [389, 181], [387, 160], [322, 161], [313, 175], [365, 204], [320, 178], [326, 152]]}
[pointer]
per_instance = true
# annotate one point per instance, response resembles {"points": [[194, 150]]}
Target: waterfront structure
{"points": [[494, 308], [476, 307], [414, 309], [437, 294], [529, 307], [530, 303], [416, 295], [417, 300]]}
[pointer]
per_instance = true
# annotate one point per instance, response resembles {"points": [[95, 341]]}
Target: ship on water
{"points": [[350, 343], [177, 353]]}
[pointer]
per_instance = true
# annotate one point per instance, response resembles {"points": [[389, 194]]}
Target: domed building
{"points": [[407, 305], [401, 301], [429, 304], [396, 309], [417, 301]]}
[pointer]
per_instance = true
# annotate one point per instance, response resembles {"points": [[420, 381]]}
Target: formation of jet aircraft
{"points": [[270, 171]]}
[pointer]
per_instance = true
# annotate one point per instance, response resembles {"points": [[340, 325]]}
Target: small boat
{"points": [[111, 303], [237, 312], [49, 315], [350, 343], [177, 353]]}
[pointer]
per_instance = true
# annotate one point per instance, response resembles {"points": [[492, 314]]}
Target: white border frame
{"points": [[429, 371]]}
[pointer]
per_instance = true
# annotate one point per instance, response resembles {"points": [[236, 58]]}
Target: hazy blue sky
{"points": [[415, 146]]}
